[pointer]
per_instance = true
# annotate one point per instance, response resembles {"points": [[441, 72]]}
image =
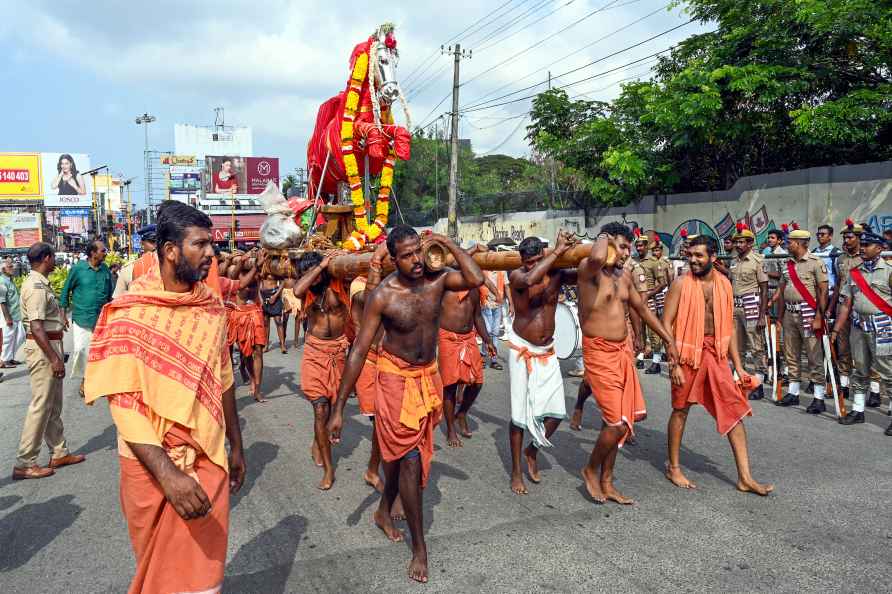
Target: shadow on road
{"points": [[9, 501], [257, 456], [27, 530], [271, 554], [107, 440]]}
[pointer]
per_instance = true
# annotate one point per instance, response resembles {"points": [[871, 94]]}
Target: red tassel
{"points": [[684, 233], [785, 228], [637, 232], [740, 227], [795, 226], [850, 223]]}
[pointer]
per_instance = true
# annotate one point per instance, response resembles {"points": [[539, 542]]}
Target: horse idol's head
{"points": [[386, 58]]}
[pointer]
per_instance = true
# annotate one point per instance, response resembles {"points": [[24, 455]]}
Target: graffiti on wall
{"points": [[758, 221], [880, 222]]}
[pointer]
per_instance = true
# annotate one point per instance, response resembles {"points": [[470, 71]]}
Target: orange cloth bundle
{"points": [[173, 554], [408, 406], [367, 384], [459, 358], [322, 366], [713, 387], [610, 373], [246, 328]]}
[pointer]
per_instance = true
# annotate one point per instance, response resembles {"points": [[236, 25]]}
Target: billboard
{"points": [[178, 160], [19, 229], [184, 180], [239, 175], [20, 176], [75, 221], [63, 183]]}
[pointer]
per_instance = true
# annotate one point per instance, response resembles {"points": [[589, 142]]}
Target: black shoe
{"points": [[757, 394], [816, 407], [852, 418], [888, 430], [788, 400], [654, 368], [639, 363], [810, 388], [873, 400], [845, 392]]}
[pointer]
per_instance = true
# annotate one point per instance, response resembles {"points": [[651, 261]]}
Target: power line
{"points": [[424, 119], [519, 18], [600, 74], [541, 41], [483, 26], [584, 66], [414, 91], [507, 138], [573, 53]]}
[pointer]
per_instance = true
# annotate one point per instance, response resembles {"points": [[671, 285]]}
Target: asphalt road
{"points": [[826, 528]]}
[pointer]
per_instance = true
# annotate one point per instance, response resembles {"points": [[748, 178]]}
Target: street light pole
{"points": [[144, 120]]}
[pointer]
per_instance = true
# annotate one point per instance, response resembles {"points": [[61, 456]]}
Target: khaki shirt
{"points": [[653, 271], [666, 267], [811, 270], [747, 273], [880, 280], [125, 277], [845, 264], [40, 303]]}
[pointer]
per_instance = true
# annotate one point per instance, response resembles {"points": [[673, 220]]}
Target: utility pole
{"points": [[453, 157], [144, 120]]}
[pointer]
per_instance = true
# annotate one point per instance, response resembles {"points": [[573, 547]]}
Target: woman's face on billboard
{"points": [[226, 166], [65, 164]]}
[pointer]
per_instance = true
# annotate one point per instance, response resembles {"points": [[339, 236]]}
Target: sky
{"points": [[78, 73]]}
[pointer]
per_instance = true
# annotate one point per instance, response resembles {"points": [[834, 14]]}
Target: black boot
{"points": [[788, 400], [845, 392], [889, 430], [654, 368], [810, 388], [873, 400], [852, 418], [816, 407], [757, 394], [639, 363]]}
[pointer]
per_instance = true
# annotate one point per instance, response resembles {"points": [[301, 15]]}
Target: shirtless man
{"points": [[327, 307], [273, 307], [245, 325], [702, 375], [535, 382], [408, 403], [605, 291]]}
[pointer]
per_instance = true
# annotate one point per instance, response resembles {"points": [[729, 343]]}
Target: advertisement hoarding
{"points": [[184, 183], [20, 176], [19, 229], [63, 183], [173, 160], [239, 175]]}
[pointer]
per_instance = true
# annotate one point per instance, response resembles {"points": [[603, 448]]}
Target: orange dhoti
{"points": [[459, 358], [173, 554], [408, 406], [367, 384], [713, 387], [246, 327], [610, 373], [322, 366]]}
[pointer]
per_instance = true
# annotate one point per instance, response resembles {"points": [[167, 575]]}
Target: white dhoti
{"points": [[537, 388], [13, 339], [81, 350]]}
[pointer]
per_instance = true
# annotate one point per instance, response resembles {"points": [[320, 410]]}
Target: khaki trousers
{"points": [[844, 351], [794, 341], [868, 366], [750, 343], [43, 421]]}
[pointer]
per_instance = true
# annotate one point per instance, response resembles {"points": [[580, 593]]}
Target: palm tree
{"points": [[288, 182]]}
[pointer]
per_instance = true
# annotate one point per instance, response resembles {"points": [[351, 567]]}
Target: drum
{"points": [[567, 331]]}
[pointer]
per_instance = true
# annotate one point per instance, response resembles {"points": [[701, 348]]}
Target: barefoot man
{"points": [[605, 292], [700, 314], [327, 307], [461, 364], [409, 400], [245, 328], [534, 376]]}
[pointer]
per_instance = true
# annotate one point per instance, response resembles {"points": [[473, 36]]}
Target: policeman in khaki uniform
{"points": [[801, 320], [639, 281], [657, 272], [44, 325], [868, 303], [849, 259], [750, 286]]}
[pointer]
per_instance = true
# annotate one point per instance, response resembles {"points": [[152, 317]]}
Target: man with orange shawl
{"points": [[159, 355], [327, 309], [606, 291], [700, 314], [409, 401]]}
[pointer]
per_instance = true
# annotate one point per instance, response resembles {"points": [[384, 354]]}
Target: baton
{"points": [[767, 338], [774, 366], [829, 356]]}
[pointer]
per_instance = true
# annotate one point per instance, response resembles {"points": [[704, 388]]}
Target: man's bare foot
{"points": [[396, 511], [462, 421], [452, 440], [592, 485], [383, 522], [677, 477], [327, 481], [532, 464], [751, 486], [576, 420], [418, 569], [258, 397], [518, 486], [317, 456], [612, 494], [373, 480]]}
